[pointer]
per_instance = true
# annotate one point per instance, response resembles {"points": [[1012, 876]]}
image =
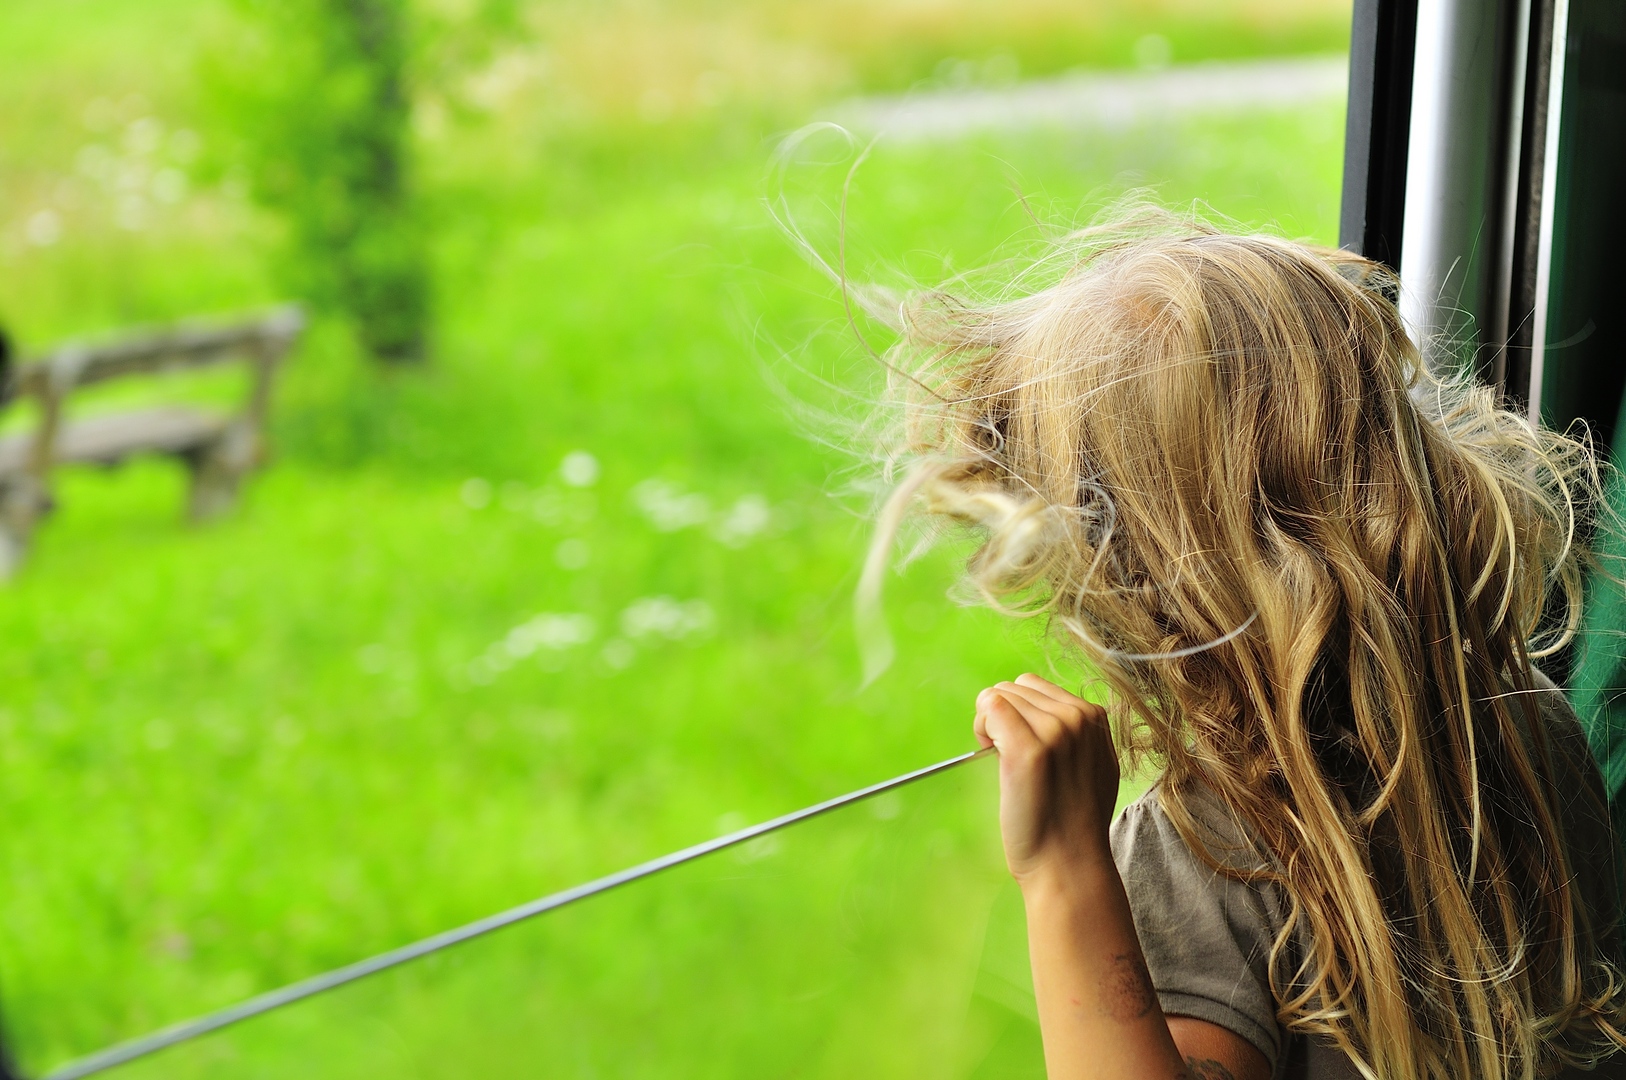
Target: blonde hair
{"points": [[1312, 573]]}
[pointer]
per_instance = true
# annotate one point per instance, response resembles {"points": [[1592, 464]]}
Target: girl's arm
{"points": [[1098, 1011]]}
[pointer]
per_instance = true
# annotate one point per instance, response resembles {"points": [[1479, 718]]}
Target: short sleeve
{"points": [[1207, 937]]}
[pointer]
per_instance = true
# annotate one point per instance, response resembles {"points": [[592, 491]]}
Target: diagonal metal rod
{"points": [[187, 1030]]}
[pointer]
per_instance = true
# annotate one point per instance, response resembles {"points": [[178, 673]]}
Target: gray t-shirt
{"points": [[1207, 936]]}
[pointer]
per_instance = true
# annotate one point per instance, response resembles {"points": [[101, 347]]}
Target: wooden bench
{"points": [[219, 448]]}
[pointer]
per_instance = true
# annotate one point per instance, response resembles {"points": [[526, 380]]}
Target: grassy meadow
{"points": [[574, 594]]}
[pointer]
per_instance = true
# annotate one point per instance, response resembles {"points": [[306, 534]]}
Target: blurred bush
{"points": [[318, 94]]}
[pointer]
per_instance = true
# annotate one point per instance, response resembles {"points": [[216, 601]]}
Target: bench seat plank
{"points": [[109, 439]]}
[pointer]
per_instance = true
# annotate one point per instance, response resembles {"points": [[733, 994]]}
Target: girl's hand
{"points": [[1058, 776], [1098, 1007]]}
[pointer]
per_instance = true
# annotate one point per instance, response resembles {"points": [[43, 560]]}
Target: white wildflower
{"points": [[668, 507]]}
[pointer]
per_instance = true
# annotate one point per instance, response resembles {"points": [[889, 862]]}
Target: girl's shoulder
{"points": [[1207, 935], [1148, 825], [1210, 858]]}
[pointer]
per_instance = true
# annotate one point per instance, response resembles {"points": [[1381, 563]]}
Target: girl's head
{"points": [[1312, 573]]}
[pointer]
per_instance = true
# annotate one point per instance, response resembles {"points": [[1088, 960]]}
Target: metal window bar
{"points": [[186, 1031]]}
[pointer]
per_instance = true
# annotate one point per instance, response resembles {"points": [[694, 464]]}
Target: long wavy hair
{"points": [[1312, 573]]}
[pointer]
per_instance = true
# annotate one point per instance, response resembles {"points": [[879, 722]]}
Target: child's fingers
{"points": [[1037, 698], [1042, 714], [1073, 715], [1052, 691], [1000, 723], [1040, 683], [1074, 711], [979, 726]]}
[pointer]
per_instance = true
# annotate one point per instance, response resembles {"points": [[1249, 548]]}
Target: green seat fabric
{"points": [[1597, 684]]}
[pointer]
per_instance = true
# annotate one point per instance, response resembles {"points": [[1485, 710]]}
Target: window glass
{"points": [[578, 589]]}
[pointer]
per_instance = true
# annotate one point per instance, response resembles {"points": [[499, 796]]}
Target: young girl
{"points": [[1311, 575]]}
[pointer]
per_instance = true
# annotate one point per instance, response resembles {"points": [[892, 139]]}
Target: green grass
{"points": [[237, 755]]}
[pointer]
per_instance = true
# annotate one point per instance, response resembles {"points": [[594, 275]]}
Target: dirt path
{"points": [[1098, 99]]}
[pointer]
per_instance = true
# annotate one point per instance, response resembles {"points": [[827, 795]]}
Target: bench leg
{"points": [[215, 483], [13, 548], [22, 503], [218, 470]]}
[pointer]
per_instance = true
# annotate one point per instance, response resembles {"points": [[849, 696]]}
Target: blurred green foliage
{"points": [[320, 92]]}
